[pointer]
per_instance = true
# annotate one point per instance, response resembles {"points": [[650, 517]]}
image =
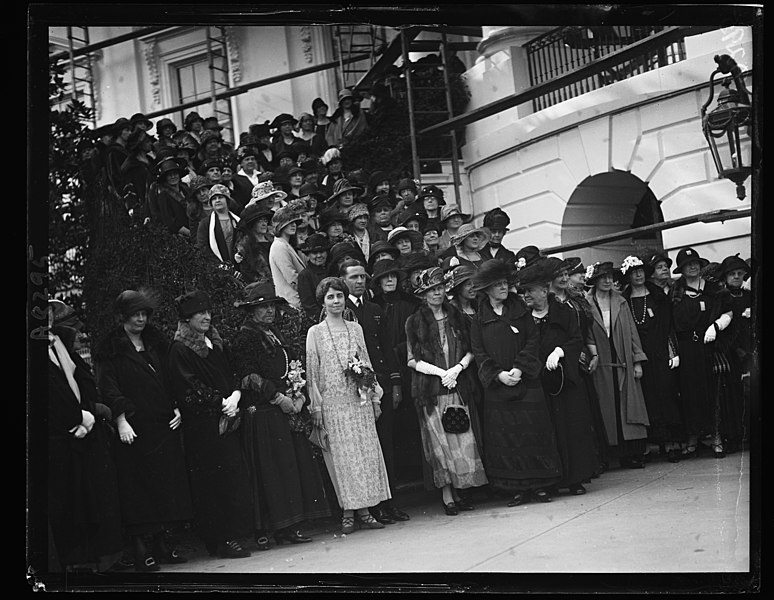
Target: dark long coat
{"points": [[659, 382], [217, 471], [286, 483], [519, 438], [83, 507], [691, 317], [570, 408], [151, 471]]}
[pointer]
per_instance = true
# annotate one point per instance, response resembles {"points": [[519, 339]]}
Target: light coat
{"points": [[634, 415]]}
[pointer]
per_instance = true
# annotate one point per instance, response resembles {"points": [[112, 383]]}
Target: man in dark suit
{"points": [[370, 316], [497, 221], [246, 178]]}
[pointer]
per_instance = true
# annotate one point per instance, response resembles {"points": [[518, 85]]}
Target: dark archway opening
{"points": [[609, 203]]}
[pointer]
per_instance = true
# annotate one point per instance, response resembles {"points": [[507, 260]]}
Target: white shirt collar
{"points": [[356, 301]]}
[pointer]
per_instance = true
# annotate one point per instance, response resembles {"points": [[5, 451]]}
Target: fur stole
{"points": [[196, 341]]}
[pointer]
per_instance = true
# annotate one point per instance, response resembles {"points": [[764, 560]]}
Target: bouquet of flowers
{"points": [[363, 376], [299, 421]]}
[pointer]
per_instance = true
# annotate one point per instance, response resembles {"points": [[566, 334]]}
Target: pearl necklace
{"points": [[644, 309]]}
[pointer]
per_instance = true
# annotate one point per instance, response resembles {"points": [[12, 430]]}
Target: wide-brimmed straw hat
{"points": [[266, 189], [258, 293], [285, 216], [342, 186], [466, 231], [452, 210]]}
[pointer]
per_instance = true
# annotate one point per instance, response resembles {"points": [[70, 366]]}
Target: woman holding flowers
{"points": [[345, 404], [286, 484]]}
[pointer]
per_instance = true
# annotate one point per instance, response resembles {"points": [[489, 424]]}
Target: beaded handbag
{"points": [[455, 419]]}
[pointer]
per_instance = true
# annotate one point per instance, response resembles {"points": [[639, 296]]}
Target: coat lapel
{"points": [[595, 309]]}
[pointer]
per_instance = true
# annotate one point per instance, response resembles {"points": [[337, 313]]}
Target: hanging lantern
{"points": [[728, 124]]}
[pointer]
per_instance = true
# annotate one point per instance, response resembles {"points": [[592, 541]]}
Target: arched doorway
{"points": [[610, 203]]}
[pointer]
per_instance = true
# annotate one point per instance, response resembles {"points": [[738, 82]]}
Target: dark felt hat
{"points": [[169, 165], [411, 214], [574, 265], [385, 267], [731, 263], [260, 130], [191, 303], [318, 102], [687, 255], [210, 121], [377, 177], [317, 242], [190, 118], [497, 218], [378, 247], [250, 214], [416, 238], [121, 124], [166, 122], [492, 271], [208, 135], [333, 215], [282, 118], [129, 302], [407, 184], [310, 189], [526, 256], [341, 249], [431, 225], [711, 272], [257, 293], [432, 190], [380, 201], [141, 118], [540, 272], [416, 261], [657, 257], [598, 269], [244, 152]]}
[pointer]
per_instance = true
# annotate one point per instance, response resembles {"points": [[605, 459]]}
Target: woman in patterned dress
{"points": [[439, 353], [353, 456]]}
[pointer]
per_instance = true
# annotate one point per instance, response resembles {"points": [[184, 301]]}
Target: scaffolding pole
{"points": [[410, 96], [453, 134]]}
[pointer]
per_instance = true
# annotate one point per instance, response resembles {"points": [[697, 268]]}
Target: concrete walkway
{"points": [[691, 517]]}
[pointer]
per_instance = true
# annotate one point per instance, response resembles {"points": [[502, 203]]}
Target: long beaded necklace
{"points": [[640, 321], [333, 343]]}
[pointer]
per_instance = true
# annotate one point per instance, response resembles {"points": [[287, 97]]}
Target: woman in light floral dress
{"points": [[354, 457]]}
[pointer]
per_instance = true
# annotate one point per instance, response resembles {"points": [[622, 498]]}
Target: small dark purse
{"points": [[455, 419]]}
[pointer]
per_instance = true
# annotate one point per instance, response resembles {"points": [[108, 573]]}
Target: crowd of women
{"points": [[520, 374]]}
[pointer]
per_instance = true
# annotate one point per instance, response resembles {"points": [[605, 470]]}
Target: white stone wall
{"points": [[530, 166]]}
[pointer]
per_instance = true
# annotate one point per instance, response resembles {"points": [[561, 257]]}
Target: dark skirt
{"points": [[659, 388], [287, 487], [520, 442], [575, 437], [697, 397], [729, 404], [220, 484], [152, 480], [83, 507]]}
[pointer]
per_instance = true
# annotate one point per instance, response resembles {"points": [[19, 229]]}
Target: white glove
{"points": [[746, 313], [553, 359], [723, 321], [674, 362], [450, 379], [709, 335], [428, 369], [87, 420], [230, 404]]}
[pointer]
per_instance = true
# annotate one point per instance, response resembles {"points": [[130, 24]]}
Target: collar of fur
{"points": [[117, 342], [195, 341]]}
